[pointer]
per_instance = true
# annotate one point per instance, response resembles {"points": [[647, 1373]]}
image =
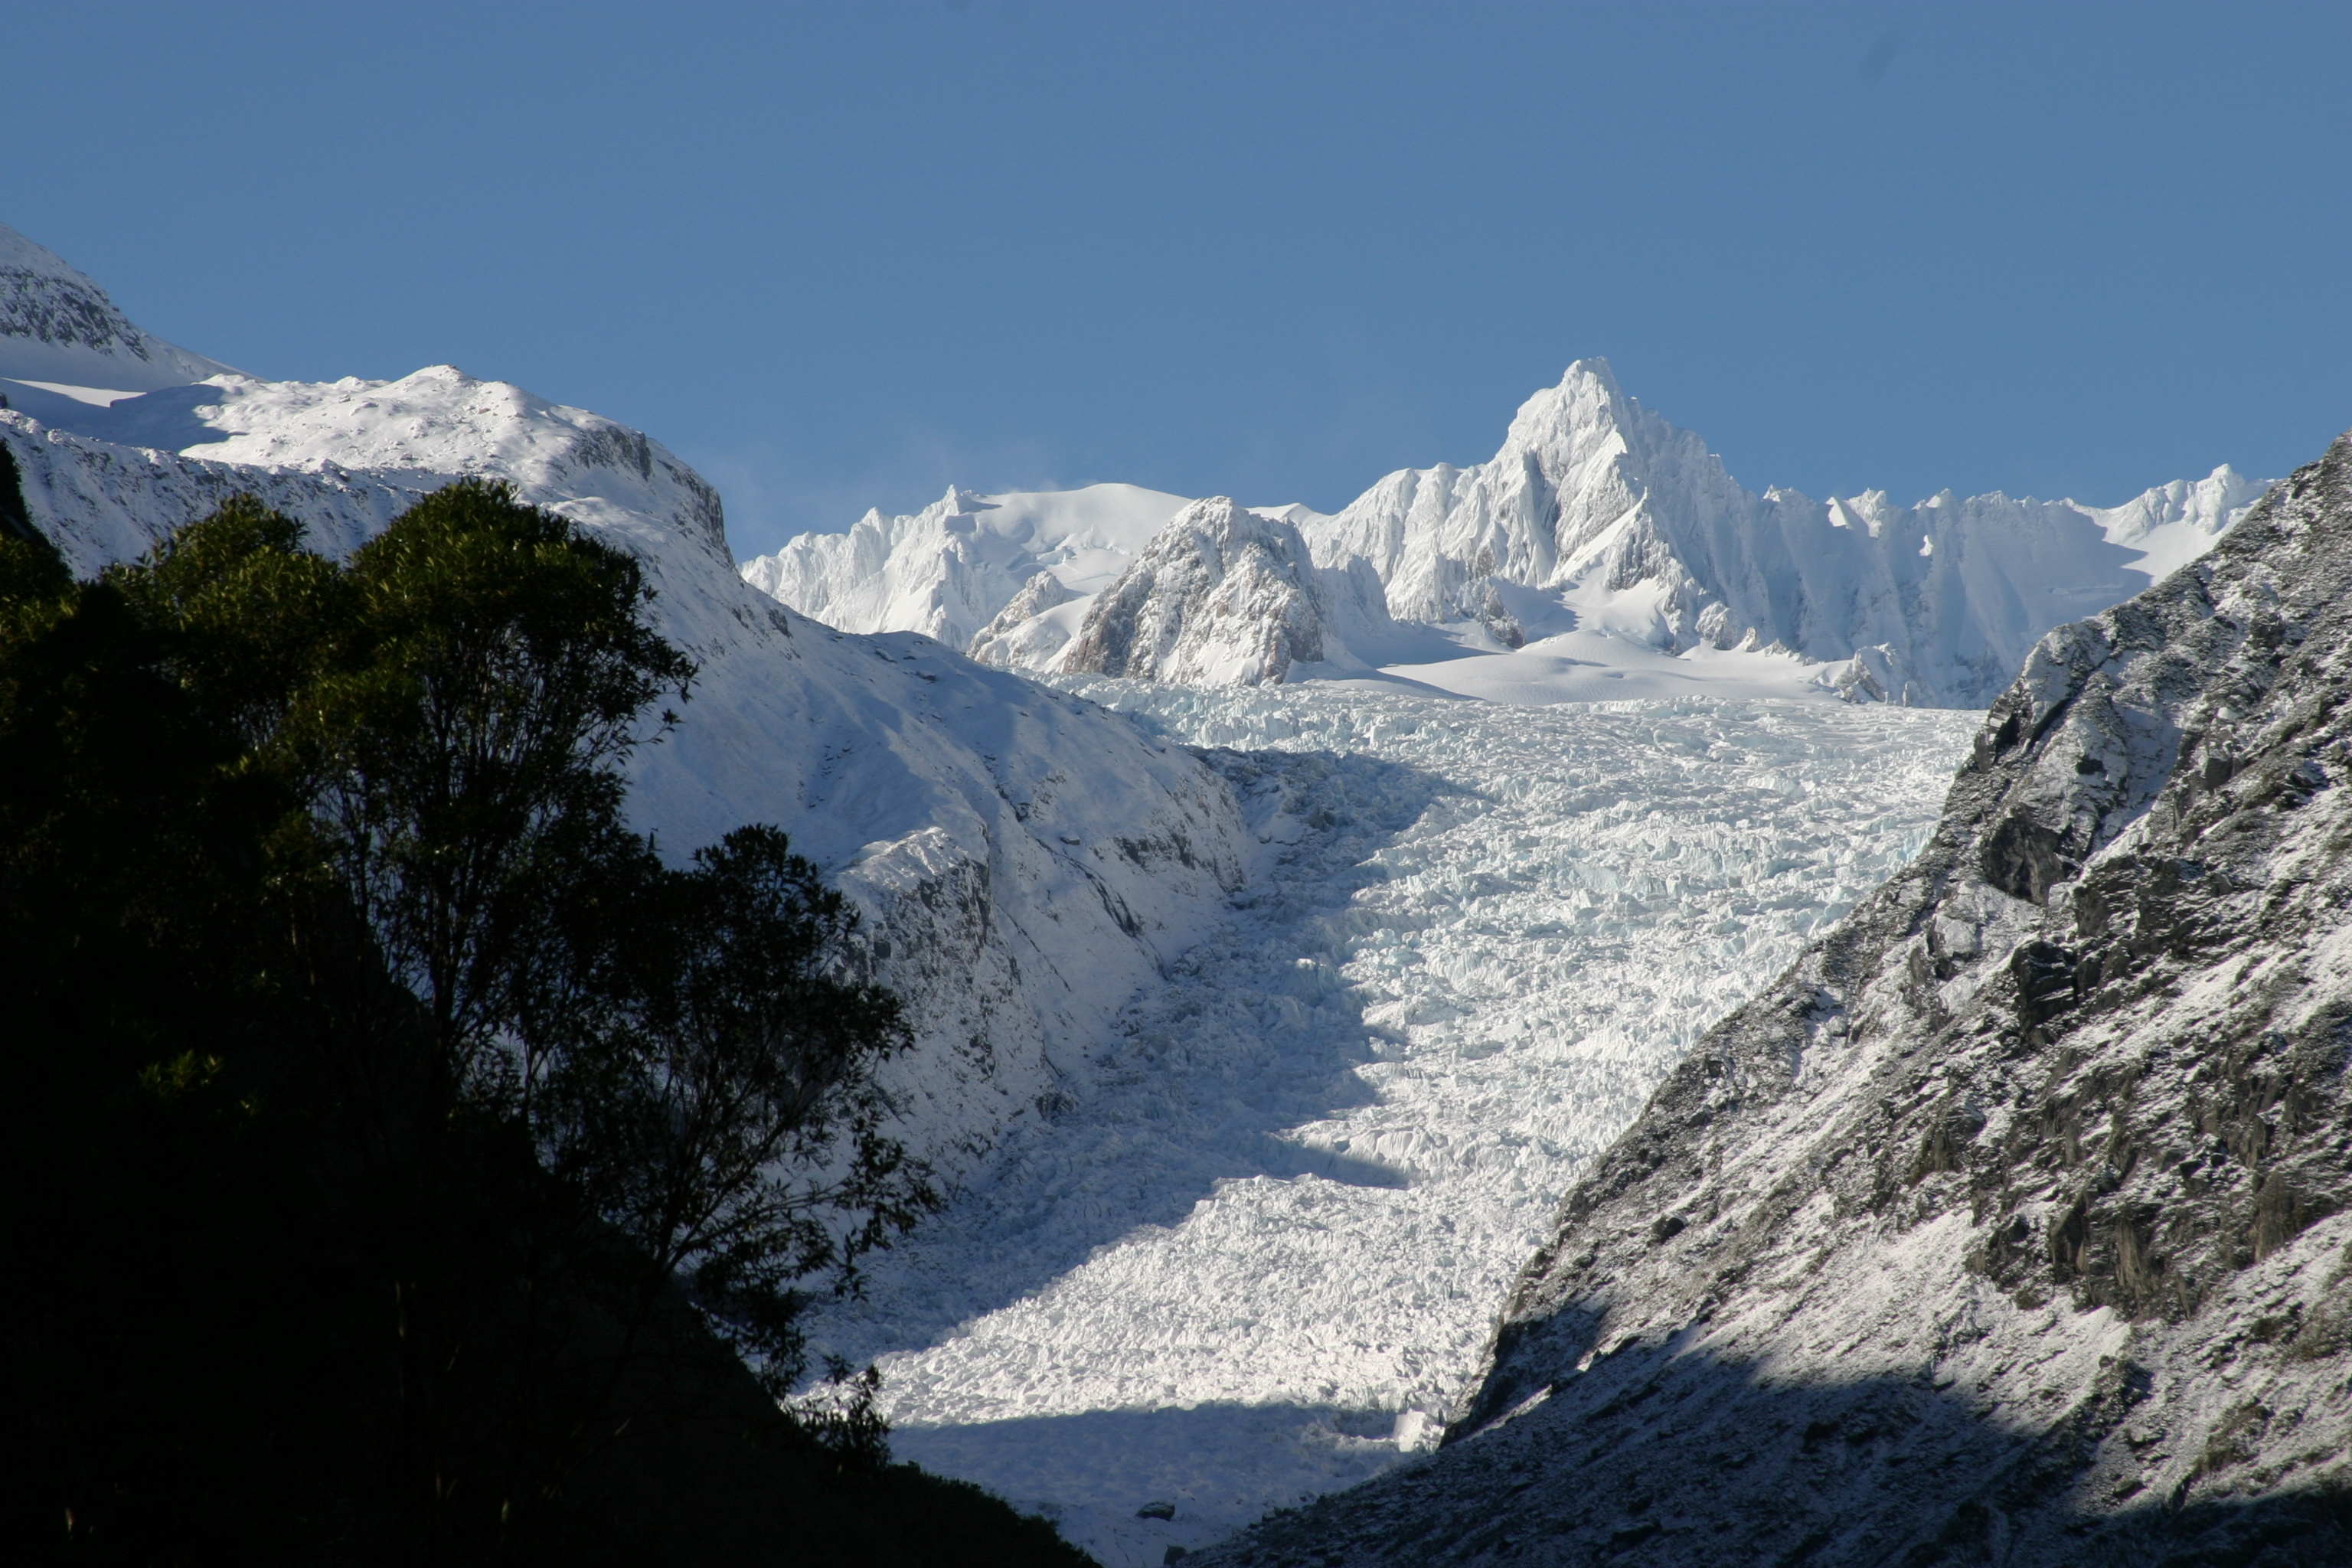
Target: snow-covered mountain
{"points": [[949, 569], [1598, 537], [1221, 597], [1636, 528], [60, 335], [1025, 861], [1264, 1064], [2013, 1224]]}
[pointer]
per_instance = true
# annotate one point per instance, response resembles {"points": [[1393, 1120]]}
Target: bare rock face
{"points": [[1222, 596], [2013, 1225], [57, 325]]}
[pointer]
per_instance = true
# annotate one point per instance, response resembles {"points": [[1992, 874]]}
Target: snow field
{"points": [[1252, 1247]]}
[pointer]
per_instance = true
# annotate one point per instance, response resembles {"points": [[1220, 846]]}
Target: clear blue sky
{"points": [[838, 255]]}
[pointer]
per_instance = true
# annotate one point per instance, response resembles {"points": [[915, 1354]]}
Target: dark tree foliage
{"points": [[397, 1144]]}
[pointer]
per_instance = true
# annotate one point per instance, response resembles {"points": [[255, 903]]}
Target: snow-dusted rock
{"points": [[2013, 1224], [1025, 861], [1025, 633], [60, 334], [1222, 596], [1636, 527]]}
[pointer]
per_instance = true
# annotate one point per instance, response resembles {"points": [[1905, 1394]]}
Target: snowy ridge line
{"points": [[949, 569], [59, 330], [1255, 1253], [1600, 535], [1060, 857], [1634, 527]]}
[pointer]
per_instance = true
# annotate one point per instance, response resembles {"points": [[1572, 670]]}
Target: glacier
{"points": [[1254, 1256], [1270, 1004], [1253, 1253]]}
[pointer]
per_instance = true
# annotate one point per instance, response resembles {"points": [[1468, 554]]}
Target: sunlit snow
{"points": [[1257, 1250]]}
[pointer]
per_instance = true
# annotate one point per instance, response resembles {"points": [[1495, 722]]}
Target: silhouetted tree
{"points": [[347, 984]]}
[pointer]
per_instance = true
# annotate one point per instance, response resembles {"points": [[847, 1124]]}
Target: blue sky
{"points": [[838, 255]]}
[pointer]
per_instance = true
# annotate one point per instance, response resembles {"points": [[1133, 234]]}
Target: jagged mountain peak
{"points": [[59, 328], [1600, 535], [1631, 525], [1584, 409]]}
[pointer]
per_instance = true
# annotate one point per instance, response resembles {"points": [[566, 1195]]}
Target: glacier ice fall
{"points": [[1254, 1247]]}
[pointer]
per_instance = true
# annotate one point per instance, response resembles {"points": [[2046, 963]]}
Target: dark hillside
{"points": [[336, 1238]]}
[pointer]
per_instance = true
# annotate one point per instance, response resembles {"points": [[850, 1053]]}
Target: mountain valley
{"points": [[1567, 1011]]}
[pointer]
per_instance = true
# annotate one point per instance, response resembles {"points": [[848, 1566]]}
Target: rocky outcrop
{"points": [[1020, 637], [2013, 1224], [57, 325], [1222, 596]]}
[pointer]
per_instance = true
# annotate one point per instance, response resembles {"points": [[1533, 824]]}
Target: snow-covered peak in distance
{"points": [[1631, 526], [948, 569], [60, 334], [2173, 524], [1601, 552]]}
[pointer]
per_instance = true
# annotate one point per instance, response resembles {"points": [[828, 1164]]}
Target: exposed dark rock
{"points": [[2009, 1224]]}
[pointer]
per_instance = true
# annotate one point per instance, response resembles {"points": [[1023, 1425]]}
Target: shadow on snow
{"points": [[1254, 1034], [1650, 1459]]}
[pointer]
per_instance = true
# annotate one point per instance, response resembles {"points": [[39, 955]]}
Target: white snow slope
{"points": [[60, 335], [946, 571], [1258, 1248], [1025, 862], [1599, 538]]}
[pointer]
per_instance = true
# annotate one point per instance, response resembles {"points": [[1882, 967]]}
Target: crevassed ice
{"points": [[1254, 1247]]}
